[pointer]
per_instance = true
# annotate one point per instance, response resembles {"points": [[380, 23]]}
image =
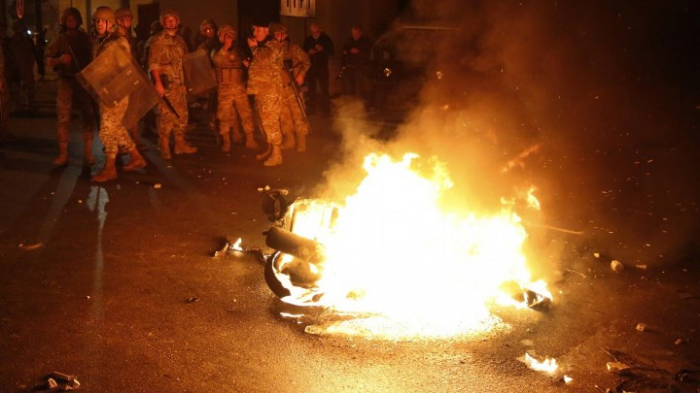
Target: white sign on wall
{"points": [[300, 8]]}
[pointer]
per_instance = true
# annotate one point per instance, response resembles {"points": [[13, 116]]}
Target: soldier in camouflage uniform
{"points": [[209, 42], [232, 96], [68, 54], [123, 17], [113, 134], [265, 83], [165, 65], [292, 118]]}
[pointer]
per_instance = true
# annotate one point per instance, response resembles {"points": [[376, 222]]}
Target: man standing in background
{"points": [[319, 46]]}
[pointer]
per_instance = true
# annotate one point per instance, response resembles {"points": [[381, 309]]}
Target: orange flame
{"points": [[394, 253]]}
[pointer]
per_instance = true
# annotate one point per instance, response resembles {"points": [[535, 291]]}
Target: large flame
{"points": [[394, 252]]}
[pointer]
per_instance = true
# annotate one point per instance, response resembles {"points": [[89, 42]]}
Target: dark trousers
{"points": [[319, 100]]}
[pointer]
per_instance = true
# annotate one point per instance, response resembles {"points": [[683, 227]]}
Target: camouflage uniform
{"points": [[78, 46], [113, 134], [232, 97], [124, 32], [166, 56], [292, 119], [265, 83]]}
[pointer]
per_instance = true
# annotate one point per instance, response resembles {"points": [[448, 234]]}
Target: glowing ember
{"points": [[396, 259], [547, 365], [237, 245]]}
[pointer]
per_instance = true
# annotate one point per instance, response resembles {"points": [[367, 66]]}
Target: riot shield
{"points": [[114, 76], [199, 74]]}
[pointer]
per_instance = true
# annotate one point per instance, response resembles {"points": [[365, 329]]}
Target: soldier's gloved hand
{"points": [[252, 43]]}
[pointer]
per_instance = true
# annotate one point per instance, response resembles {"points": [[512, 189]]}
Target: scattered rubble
{"points": [[30, 247], [617, 266], [641, 327]]}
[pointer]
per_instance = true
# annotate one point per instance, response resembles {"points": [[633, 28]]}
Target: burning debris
{"points": [[398, 264]]}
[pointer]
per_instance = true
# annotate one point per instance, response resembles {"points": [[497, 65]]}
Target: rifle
{"points": [[165, 82], [289, 67]]}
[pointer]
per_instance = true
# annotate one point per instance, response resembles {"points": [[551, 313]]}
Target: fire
{"points": [[399, 259], [548, 365]]}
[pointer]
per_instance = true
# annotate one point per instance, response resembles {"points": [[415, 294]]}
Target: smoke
{"points": [[593, 103]]}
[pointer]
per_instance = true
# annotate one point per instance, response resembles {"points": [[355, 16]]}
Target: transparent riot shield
{"points": [[114, 76], [199, 74]]}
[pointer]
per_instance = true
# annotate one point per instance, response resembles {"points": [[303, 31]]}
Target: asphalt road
{"points": [[116, 284]]}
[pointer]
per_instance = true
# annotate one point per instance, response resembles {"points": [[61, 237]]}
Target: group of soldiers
{"points": [[271, 76]]}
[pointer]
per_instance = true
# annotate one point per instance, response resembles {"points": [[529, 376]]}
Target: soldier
{"points": [[207, 38], [68, 54], [265, 83], [209, 42], [113, 134], [165, 65], [232, 96], [293, 119], [123, 17]]}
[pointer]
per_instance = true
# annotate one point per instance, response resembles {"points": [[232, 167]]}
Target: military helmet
{"points": [[207, 23], [74, 12], [122, 13], [278, 28], [103, 13], [168, 13], [227, 30]]}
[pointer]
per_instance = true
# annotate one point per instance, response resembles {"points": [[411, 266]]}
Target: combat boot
{"points": [[62, 158], [250, 142], [301, 143], [275, 157], [137, 160], [182, 146], [88, 158], [164, 147], [109, 172], [225, 143]]}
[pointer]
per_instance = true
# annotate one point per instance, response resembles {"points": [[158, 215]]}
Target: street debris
{"points": [[192, 300], [617, 266], [618, 368], [236, 250], [157, 186], [62, 382], [678, 341], [30, 247], [548, 365], [641, 327], [643, 267]]}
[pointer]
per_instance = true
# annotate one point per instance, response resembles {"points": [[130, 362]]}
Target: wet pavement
{"points": [[115, 284]]}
